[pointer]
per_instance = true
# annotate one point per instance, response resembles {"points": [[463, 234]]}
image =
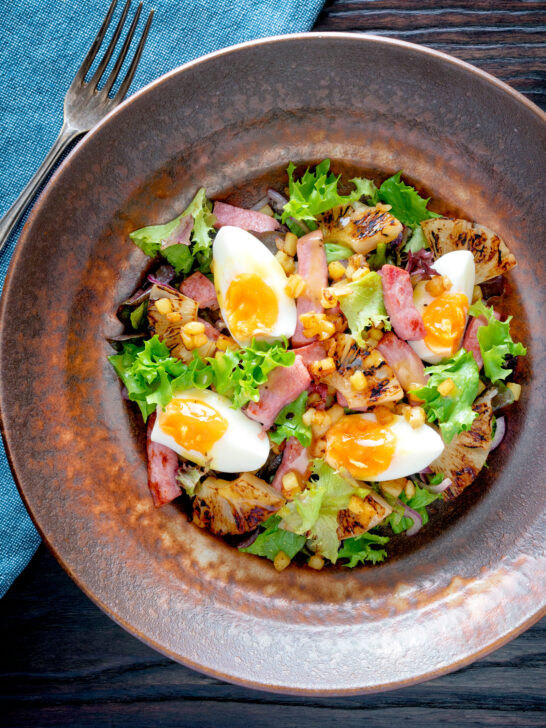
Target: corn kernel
{"points": [[295, 286], [174, 317], [321, 424], [286, 262], [360, 273], [322, 368], [336, 270], [356, 505], [314, 398], [225, 342], [358, 381], [290, 484], [393, 487], [307, 417], [375, 334], [349, 270], [384, 415], [328, 298], [415, 416], [335, 413], [318, 448], [290, 244], [316, 324], [412, 398], [515, 389], [316, 562], [409, 490], [446, 387], [435, 286], [281, 561], [187, 340], [199, 340], [357, 260], [194, 327], [164, 305], [477, 294]]}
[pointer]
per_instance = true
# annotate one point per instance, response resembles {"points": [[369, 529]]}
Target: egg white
{"points": [[459, 267], [242, 447], [415, 448], [237, 251]]}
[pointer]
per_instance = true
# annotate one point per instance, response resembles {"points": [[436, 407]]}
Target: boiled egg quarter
{"points": [[201, 426], [373, 451], [445, 316], [250, 284]]}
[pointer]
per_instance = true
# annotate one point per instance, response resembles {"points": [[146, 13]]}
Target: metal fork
{"points": [[84, 104]]}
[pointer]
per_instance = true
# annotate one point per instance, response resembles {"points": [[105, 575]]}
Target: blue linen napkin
{"points": [[42, 44]]}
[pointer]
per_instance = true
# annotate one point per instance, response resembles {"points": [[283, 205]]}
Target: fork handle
{"points": [[13, 215]]}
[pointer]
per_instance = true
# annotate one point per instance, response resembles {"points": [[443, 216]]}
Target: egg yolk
{"points": [[193, 424], [251, 306], [363, 447], [445, 321]]}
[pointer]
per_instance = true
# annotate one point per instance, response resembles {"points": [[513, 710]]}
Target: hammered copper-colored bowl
{"points": [[474, 577]]}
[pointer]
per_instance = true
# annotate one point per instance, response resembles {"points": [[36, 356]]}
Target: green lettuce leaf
{"points": [[138, 315], [378, 258], [495, 343], [419, 502], [316, 192], [289, 423], [151, 375], [359, 549], [453, 413], [274, 539], [364, 306], [406, 203], [337, 252], [416, 242], [314, 511], [182, 257]]}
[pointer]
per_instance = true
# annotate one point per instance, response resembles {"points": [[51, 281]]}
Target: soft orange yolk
{"points": [[193, 424], [251, 306], [363, 447], [445, 321]]}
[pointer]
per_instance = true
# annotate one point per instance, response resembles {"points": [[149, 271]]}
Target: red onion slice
{"points": [[499, 433], [444, 485], [415, 517]]}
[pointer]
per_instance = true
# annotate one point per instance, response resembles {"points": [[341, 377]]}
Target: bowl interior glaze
{"points": [[231, 122]]}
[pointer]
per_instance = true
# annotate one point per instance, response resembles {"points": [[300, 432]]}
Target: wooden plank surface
{"points": [[64, 663]]}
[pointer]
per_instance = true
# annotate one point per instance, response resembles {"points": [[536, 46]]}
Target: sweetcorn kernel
{"points": [[335, 413], [290, 484], [384, 415], [336, 270], [174, 317], [199, 340], [316, 324], [415, 416], [164, 305], [409, 490], [358, 381], [290, 244], [328, 298], [436, 286], [515, 389], [194, 327], [286, 262], [393, 487], [316, 562], [375, 334], [295, 286], [446, 387], [281, 561], [322, 368], [224, 343], [360, 273], [318, 448]]}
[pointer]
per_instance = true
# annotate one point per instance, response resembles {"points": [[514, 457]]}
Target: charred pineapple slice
{"points": [[361, 229], [491, 254], [466, 454], [363, 514], [381, 384], [234, 506], [168, 311]]}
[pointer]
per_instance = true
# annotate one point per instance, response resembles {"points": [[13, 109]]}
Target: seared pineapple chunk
{"points": [[168, 311], [234, 506], [361, 229], [354, 521], [464, 457], [491, 254]]}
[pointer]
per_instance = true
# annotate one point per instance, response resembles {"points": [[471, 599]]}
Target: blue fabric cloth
{"points": [[42, 44]]}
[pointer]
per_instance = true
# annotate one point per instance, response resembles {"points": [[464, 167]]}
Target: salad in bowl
{"points": [[315, 372]]}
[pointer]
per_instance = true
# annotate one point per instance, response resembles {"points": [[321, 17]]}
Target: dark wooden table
{"points": [[64, 663]]}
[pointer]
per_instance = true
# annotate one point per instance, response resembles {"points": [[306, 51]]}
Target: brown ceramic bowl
{"points": [[474, 577]]}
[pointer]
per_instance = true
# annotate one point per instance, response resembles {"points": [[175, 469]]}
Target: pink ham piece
{"points": [[284, 385], [322, 390], [162, 467], [470, 341], [312, 352], [295, 459], [256, 222], [198, 287], [312, 267], [398, 296], [404, 362]]}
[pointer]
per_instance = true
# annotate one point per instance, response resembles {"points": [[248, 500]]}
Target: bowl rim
{"points": [[20, 244]]}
